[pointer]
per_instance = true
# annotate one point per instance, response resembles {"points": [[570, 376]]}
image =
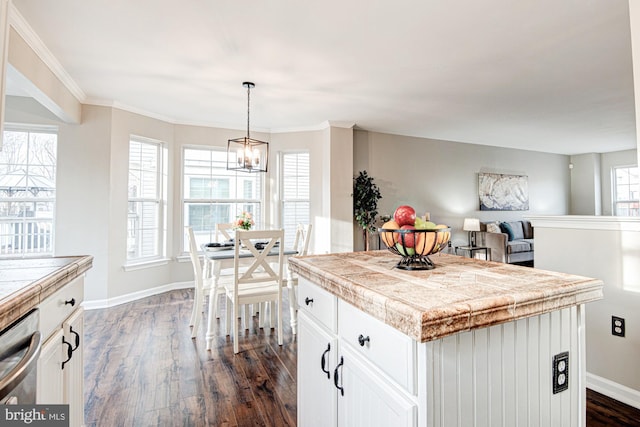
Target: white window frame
{"points": [[159, 199], [208, 235], [29, 239], [614, 191], [290, 229]]}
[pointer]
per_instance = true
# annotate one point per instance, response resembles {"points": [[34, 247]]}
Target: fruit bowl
{"points": [[414, 246]]}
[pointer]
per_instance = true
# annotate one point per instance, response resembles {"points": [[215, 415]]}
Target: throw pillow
{"points": [[506, 228], [516, 227], [492, 227]]}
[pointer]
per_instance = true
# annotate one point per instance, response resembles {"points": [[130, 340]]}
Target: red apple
{"points": [[409, 238], [405, 215]]}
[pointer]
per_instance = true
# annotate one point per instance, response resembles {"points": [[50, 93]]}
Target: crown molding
{"points": [[124, 107], [115, 104], [320, 126], [585, 222], [340, 124], [17, 21]]}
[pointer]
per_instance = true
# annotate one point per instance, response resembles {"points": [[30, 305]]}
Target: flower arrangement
{"points": [[244, 221]]}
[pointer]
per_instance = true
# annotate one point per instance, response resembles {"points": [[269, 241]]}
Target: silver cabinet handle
{"points": [[22, 369]]}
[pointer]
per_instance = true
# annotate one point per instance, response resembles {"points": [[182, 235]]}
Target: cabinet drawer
{"points": [[385, 347], [57, 307], [318, 303]]}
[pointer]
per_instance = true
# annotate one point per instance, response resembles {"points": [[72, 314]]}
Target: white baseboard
{"points": [[614, 390], [111, 302]]}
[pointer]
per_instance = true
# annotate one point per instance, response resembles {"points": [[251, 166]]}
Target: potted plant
{"points": [[365, 204]]}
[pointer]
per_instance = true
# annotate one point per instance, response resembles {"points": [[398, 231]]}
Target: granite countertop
{"points": [[460, 294], [26, 282]]}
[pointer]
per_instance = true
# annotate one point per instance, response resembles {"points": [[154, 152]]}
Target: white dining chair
{"points": [[301, 245], [224, 232], [203, 286], [260, 282]]}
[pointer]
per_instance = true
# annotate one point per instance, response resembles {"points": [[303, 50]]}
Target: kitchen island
{"points": [[470, 342], [26, 282], [55, 287]]}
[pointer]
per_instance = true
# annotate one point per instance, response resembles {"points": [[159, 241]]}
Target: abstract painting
{"points": [[500, 192]]}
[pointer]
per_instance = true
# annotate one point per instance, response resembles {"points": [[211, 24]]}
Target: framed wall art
{"points": [[500, 192]]}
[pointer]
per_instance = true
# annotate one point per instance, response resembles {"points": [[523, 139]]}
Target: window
{"points": [[212, 194], [147, 183], [27, 191], [295, 193], [625, 191]]}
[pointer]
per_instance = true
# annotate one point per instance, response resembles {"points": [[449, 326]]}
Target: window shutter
{"points": [[295, 193]]}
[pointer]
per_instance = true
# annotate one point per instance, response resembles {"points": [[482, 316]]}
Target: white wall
{"points": [[28, 70], [91, 208], [606, 248], [441, 177], [83, 208], [313, 142]]}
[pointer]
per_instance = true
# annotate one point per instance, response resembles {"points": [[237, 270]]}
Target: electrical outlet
{"points": [[617, 326], [560, 372]]}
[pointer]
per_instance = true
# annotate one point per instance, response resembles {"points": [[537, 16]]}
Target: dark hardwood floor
{"points": [[604, 411], [143, 369]]}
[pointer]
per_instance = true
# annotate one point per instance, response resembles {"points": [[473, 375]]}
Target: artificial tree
{"points": [[365, 204]]}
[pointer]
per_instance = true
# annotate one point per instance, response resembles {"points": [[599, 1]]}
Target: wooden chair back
{"points": [[303, 237], [223, 232], [195, 256], [260, 269]]}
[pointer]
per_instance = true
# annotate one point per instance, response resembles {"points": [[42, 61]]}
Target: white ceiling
{"points": [[543, 75]]}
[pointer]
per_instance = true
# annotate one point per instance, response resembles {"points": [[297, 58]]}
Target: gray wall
{"points": [[585, 185], [441, 177]]}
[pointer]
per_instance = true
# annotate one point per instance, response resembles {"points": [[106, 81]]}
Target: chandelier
{"points": [[247, 154]]}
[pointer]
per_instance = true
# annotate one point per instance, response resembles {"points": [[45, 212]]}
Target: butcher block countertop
{"points": [[458, 295], [26, 282]]}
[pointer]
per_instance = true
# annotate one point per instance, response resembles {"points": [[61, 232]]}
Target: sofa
{"points": [[509, 241]]}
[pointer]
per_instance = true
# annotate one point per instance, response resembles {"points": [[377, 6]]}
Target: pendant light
{"points": [[247, 154]]}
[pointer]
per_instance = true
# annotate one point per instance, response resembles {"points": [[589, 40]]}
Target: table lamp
{"points": [[471, 225]]}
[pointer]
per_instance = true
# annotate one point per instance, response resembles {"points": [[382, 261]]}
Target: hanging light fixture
{"points": [[247, 154]]}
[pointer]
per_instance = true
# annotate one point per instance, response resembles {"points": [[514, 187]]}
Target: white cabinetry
{"points": [[60, 367], [369, 398], [50, 388], [354, 370], [345, 371], [317, 350], [73, 371]]}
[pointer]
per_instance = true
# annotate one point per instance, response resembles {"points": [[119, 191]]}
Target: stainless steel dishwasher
{"points": [[20, 345]]}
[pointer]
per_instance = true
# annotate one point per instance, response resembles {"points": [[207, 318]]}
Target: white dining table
{"points": [[218, 260]]}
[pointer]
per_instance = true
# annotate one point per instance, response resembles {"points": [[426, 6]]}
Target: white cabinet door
{"points": [[73, 329], [50, 383], [317, 355], [366, 398]]}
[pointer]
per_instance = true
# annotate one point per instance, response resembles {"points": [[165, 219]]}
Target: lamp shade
{"points": [[471, 224], [247, 154]]}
